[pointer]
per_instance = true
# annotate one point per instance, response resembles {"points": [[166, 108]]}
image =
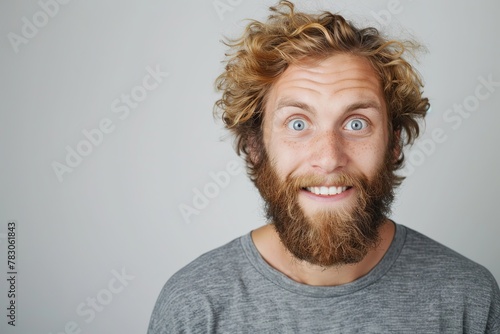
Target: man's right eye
{"points": [[297, 124]]}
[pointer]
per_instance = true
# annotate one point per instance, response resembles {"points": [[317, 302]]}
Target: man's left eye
{"points": [[356, 124]]}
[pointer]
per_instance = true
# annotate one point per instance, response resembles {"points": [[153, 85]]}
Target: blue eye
{"points": [[297, 124], [356, 124]]}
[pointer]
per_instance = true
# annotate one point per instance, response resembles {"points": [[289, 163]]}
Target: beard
{"points": [[331, 237]]}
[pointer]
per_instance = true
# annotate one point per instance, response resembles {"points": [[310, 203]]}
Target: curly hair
{"points": [[266, 49]]}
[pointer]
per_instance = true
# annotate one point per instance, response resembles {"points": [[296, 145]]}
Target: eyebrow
{"points": [[367, 104], [288, 102]]}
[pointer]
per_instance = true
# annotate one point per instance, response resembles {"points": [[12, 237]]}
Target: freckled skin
{"points": [[328, 96]]}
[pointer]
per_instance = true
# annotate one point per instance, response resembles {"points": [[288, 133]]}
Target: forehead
{"points": [[334, 77]]}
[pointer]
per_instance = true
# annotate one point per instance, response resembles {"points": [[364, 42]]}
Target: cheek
{"points": [[288, 156], [367, 156]]}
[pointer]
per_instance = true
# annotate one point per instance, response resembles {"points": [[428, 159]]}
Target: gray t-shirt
{"points": [[420, 286]]}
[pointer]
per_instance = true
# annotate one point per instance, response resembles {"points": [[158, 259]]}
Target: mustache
{"points": [[342, 179], [288, 191]]}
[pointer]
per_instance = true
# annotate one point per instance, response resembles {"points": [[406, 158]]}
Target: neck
{"points": [[276, 255]]}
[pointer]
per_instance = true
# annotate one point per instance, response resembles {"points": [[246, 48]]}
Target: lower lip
{"points": [[327, 198]]}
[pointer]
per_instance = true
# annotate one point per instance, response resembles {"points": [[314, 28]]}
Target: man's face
{"points": [[326, 176]]}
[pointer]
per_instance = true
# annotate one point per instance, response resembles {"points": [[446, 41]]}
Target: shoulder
{"points": [[450, 275], [428, 253], [189, 299], [210, 268], [434, 259]]}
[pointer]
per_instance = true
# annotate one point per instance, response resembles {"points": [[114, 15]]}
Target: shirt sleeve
{"points": [[493, 326], [181, 309]]}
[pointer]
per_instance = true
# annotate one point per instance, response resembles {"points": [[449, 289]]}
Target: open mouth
{"points": [[326, 191]]}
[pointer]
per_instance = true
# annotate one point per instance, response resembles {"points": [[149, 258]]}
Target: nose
{"points": [[328, 152]]}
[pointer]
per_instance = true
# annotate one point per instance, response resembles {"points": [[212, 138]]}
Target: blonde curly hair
{"points": [[266, 49]]}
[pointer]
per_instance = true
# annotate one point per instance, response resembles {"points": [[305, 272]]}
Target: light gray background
{"points": [[119, 209]]}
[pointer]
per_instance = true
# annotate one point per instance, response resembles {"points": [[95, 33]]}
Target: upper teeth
{"points": [[326, 190]]}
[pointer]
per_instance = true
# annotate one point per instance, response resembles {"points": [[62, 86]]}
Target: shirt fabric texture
{"points": [[419, 286]]}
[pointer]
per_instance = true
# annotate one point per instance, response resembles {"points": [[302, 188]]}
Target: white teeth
{"points": [[326, 190]]}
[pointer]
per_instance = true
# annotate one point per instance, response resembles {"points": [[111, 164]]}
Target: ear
{"points": [[396, 151], [254, 149]]}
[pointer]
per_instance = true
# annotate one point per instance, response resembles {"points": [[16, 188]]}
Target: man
{"points": [[321, 112]]}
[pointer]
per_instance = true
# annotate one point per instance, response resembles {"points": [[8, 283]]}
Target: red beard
{"points": [[330, 237]]}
